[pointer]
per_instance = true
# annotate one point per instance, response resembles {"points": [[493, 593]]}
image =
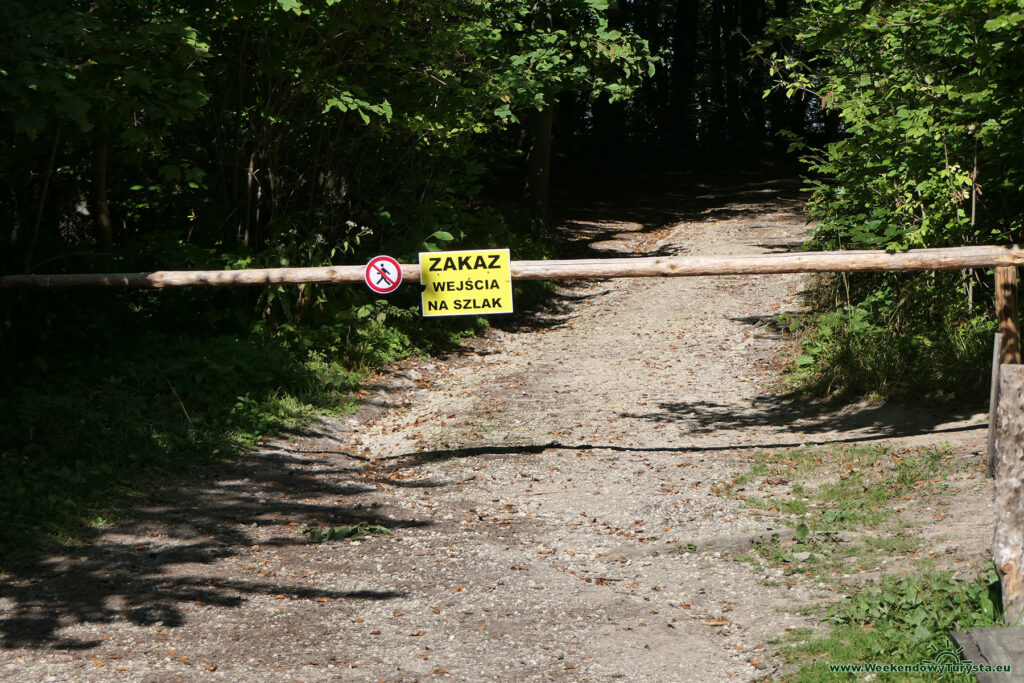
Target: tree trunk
{"points": [[778, 103], [684, 66], [993, 402], [538, 158], [714, 115], [250, 229], [538, 167], [100, 208], [29, 253], [734, 47], [798, 114], [752, 21], [832, 125]]}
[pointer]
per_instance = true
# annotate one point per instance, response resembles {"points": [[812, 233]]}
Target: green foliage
{"points": [[929, 99], [928, 95], [250, 133], [297, 133], [911, 611], [270, 129], [907, 336], [900, 620], [80, 429], [86, 66]]}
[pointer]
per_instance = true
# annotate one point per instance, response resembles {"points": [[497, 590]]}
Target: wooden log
{"points": [[765, 264], [993, 401], [1006, 311], [189, 278], [1008, 541], [585, 269]]}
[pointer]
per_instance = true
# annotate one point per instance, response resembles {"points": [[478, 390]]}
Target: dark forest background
{"points": [[197, 134]]}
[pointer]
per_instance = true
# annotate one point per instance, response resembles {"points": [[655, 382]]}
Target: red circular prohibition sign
{"points": [[383, 274]]}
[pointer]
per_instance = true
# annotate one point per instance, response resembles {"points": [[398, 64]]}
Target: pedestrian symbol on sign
{"points": [[383, 274]]}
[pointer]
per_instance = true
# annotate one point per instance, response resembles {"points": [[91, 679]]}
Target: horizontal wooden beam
{"points": [[951, 258]]}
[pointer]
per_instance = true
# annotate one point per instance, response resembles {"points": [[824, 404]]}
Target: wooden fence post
{"points": [[993, 401], [1006, 311], [1006, 350], [1008, 468], [1008, 540]]}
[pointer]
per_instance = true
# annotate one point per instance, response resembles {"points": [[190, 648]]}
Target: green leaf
{"points": [[292, 6], [1004, 20]]}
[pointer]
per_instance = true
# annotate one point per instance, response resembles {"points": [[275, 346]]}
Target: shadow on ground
{"points": [[161, 556], [602, 214], [417, 458], [801, 416], [805, 420], [670, 198]]}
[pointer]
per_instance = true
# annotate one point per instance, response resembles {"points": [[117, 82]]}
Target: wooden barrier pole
{"points": [[953, 258], [1008, 541]]}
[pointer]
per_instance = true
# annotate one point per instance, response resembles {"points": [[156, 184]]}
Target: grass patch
{"points": [[848, 523], [831, 557], [893, 335], [857, 485], [845, 521]]}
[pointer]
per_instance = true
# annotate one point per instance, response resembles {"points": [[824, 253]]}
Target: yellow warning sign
{"points": [[466, 282]]}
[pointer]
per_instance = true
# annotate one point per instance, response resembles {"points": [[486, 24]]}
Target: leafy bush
{"points": [[890, 347], [911, 613], [901, 620], [933, 124]]}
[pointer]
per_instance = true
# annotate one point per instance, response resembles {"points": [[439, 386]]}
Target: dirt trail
{"points": [[542, 485]]}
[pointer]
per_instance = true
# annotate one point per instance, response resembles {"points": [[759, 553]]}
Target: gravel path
{"points": [[543, 486]]}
